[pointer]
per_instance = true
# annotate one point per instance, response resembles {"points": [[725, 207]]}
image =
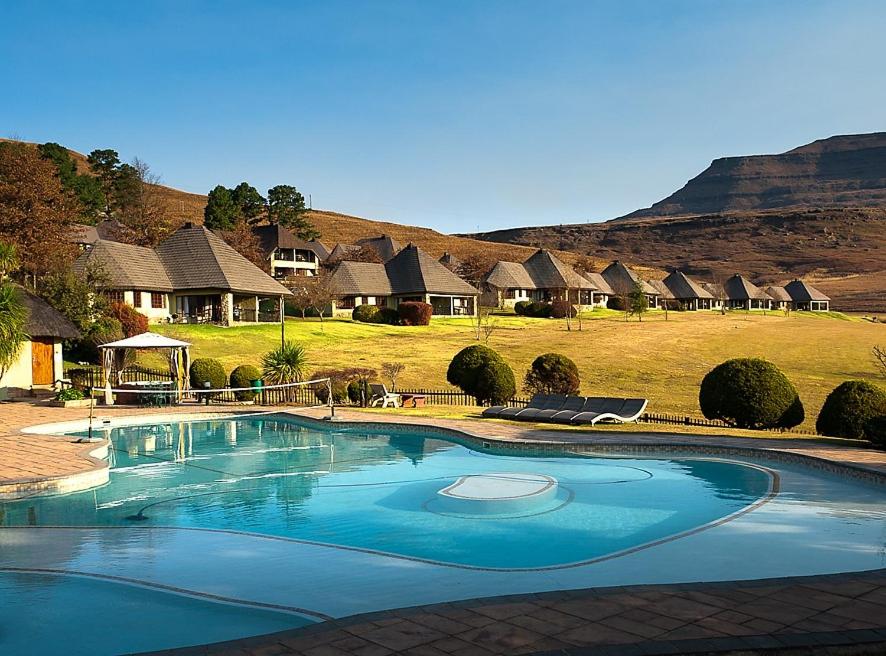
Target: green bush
{"points": [[366, 314], [495, 383], [243, 376], [552, 373], [616, 303], [207, 370], [481, 372], [389, 316], [875, 431], [69, 394], [560, 309], [358, 391], [339, 392], [415, 313], [520, 307], [848, 407], [750, 393], [539, 310]]}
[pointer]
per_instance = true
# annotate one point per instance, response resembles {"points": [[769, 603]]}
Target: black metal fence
{"points": [[91, 376], [450, 397]]}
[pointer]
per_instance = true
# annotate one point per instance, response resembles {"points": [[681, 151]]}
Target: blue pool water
{"points": [[214, 530], [379, 492]]}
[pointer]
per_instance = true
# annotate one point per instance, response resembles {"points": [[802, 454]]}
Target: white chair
{"points": [[381, 397]]}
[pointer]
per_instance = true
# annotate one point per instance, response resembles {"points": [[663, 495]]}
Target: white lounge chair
{"points": [[381, 397]]}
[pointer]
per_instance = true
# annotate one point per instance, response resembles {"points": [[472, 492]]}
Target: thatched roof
{"points": [[683, 287], [272, 237], [341, 251], [385, 245], [82, 234], [414, 271], [361, 279], [739, 288], [125, 266], [622, 280], [599, 282], [777, 293], [543, 270], [449, 260], [662, 289], [510, 275], [801, 291], [44, 320]]}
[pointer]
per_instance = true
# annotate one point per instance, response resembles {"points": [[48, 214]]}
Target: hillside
{"points": [[842, 171], [818, 211]]}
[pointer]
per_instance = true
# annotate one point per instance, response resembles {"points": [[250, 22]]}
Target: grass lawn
{"points": [[663, 360]]}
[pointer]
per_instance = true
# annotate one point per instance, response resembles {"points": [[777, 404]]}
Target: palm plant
{"points": [[8, 259], [286, 364], [13, 316]]}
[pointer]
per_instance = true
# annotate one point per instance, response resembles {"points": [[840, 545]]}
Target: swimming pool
{"points": [[279, 516]]}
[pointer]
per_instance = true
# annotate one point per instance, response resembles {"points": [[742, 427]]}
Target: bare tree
{"points": [[143, 213], [879, 353], [391, 370], [484, 324], [322, 294]]}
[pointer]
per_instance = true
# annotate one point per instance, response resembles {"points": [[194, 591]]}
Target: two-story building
{"points": [[287, 255]]}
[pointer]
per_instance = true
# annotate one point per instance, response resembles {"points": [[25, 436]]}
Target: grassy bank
{"points": [[663, 360]]}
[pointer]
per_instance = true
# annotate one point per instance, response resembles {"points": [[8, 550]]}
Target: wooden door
{"points": [[42, 362]]}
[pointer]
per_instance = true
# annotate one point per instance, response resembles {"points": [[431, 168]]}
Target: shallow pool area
{"points": [[283, 522]]}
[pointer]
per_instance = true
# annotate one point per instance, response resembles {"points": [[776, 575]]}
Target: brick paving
{"points": [[781, 614], [818, 613]]}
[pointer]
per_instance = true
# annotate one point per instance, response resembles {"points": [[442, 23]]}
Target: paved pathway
{"points": [[818, 611]]}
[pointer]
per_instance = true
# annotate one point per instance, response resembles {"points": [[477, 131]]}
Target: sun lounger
{"points": [[572, 406], [495, 411], [588, 404], [554, 402], [537, 402], [381, 397], [609, 406], [627, 410]]}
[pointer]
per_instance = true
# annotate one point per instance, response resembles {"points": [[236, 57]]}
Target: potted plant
{"points": [[71, 398]]}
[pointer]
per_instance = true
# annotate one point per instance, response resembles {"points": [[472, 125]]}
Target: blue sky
{"points": [[448, 114]]}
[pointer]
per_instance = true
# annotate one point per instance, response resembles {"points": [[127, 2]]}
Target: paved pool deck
{"points": [[818, 612]]}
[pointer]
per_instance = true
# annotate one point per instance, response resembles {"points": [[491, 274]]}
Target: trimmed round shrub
{"points": [[389, 316], [467, 363], [616, 303], [132, 322], [366, 314], [495, 383], [207, 370], [520, 307], [243, 376], [848, 407], [750, 393], [875, 431], [539, 310], [415, 313], [561, 309], [552, 373]]}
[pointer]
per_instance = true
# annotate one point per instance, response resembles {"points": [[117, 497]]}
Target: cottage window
{"points": [[136, 299], [114, 295], [347, 303], [511, 293], [157, 300]]}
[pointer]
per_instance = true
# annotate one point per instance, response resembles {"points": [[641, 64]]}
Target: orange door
{"points": [[41, 362]]}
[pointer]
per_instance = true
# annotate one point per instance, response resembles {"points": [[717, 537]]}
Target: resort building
{"points": [[542, 277], [40, 361], [742, 294], [450, 261], [411, 275], [781, 300], [385, 247], [806, 297], [287, 255], [666, 298], [623, 281], [191, 277], [689, 294]]}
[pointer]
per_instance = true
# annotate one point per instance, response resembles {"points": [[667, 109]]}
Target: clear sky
{"points": [[449, 114]]}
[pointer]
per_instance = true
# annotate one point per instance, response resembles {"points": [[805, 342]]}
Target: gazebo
{"points": [[113, 357]]}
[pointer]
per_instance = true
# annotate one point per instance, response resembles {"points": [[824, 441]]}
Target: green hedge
{"points": [[552, 373], [243, 376], [848, 407], [750, 393], [366, 314], [520, 307], [481, 372]]}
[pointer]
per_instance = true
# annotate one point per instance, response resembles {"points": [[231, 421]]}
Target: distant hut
{"points": [[688, 293], [742, 294], [623, 281], [806, 297], [781, 300]]}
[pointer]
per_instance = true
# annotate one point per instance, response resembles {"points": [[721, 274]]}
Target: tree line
{"points": [[226, 209]]}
